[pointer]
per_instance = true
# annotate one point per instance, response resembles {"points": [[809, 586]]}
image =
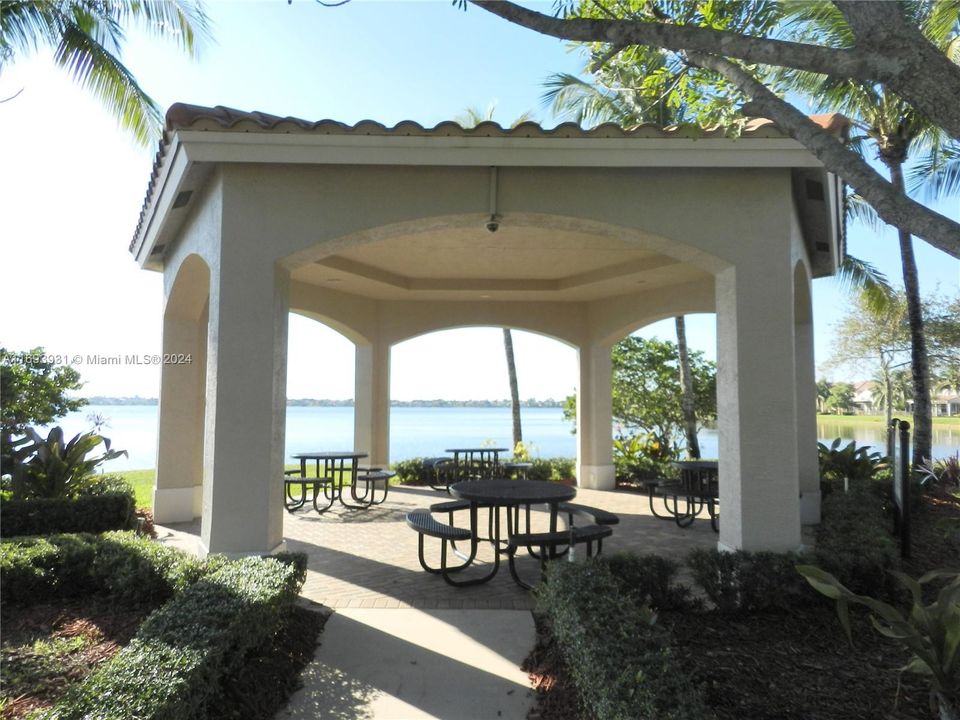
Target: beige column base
{"points": [[173, 505], [203, 551], [596, 477]]}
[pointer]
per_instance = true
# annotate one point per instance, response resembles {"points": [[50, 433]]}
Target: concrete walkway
{"points": [[404, 645], [412, 664]]}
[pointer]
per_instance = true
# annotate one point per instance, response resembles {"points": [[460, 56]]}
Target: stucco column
{"points": [[176, 494], [246, 401], [371, 408], [757, 409], [806, 384], [595, 419]]}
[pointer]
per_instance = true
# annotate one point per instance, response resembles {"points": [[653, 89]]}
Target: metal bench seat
{"points": [[550, 542], [424, 523], [371, 478], [672, 493], [594, 515], [438, 472]]}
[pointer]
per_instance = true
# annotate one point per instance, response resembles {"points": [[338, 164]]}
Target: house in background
{"points": [[863, 398], [944, 403]]}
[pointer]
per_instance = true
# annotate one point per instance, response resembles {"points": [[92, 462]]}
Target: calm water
{"points": [[418, 432], [946, 441]]}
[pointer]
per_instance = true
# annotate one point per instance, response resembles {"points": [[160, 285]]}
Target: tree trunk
{"points": [[919, 363], [888, 385], [514, 391], [688, 400]]}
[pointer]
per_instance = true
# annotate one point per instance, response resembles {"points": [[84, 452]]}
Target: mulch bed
{"points": [[33, 679], [780, 666], [796, 666]]}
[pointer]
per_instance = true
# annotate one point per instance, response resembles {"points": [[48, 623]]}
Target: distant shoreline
{"points": [[310, 402]]}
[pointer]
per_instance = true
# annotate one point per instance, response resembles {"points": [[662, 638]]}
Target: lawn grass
{"points": [[953, 422], [142, 482]]}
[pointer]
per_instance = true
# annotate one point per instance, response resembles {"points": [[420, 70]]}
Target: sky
{"points": [[72, 185]]}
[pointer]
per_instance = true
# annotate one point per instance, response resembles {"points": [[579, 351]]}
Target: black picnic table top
{"points": [[501, 492]]}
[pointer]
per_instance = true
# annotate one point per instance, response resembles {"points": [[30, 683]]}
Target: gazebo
{"points": [[388, 233]]}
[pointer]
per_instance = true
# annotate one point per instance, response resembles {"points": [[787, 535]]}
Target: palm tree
{"points": [[87, 37], [688, 399], [891, 391], [823, 394], [472, 117], [894, 129]]}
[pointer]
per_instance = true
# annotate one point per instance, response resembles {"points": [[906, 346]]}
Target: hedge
{"points": [[174, 667], [618, 658], [744, 581], [411, 472], [127, 566], [855, 541], [87, 513]]}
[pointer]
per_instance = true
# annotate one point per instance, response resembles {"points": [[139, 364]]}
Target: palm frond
{"points": [[936, 174], [863, 278], [106, 78], [473, 116], [185, 23], [859, 210], [941, 25], [26, 25], [572, 98]]}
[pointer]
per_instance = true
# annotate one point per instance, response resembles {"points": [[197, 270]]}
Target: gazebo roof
{"points": [[760, 143]]}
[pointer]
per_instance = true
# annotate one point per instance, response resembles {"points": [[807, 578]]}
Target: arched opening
{"points": [[450, 388], [180, 433]]}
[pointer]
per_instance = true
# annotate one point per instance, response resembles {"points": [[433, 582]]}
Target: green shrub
{"points": [[34, 569], [174, 667], [619, 659], [854, 540], [651, 580], [410, 472], [126, 566], [749, 581], [554, 469], [849, 462], [103, 503]]}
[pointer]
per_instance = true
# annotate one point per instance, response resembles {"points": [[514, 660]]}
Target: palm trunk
{"points": [[514, 390], [922, 411], [888, 383], [688, 401]]}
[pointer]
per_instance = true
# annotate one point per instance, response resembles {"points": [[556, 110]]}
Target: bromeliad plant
{"points": [[945, 471], [52, 468], [850, 463], [931, 632]]}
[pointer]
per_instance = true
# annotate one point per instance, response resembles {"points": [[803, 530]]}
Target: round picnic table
{"points": [[496, 493], [485, 460], [336, 464]]}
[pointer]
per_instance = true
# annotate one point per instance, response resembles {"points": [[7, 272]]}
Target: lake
{"points": [[419, 431]]}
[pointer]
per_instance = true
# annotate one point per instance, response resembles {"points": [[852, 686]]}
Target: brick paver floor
{"points": [[368, 558]]}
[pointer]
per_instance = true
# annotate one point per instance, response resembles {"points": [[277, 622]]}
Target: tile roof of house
{"points": [[183, 116]]}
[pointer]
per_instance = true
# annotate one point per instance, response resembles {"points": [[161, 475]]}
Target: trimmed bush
{"points": [[750, 581], [554, 469], [854, 540], [618, 658], [410, 472], [126, 566], [88, 513], [174, 667], [651, 580]]}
